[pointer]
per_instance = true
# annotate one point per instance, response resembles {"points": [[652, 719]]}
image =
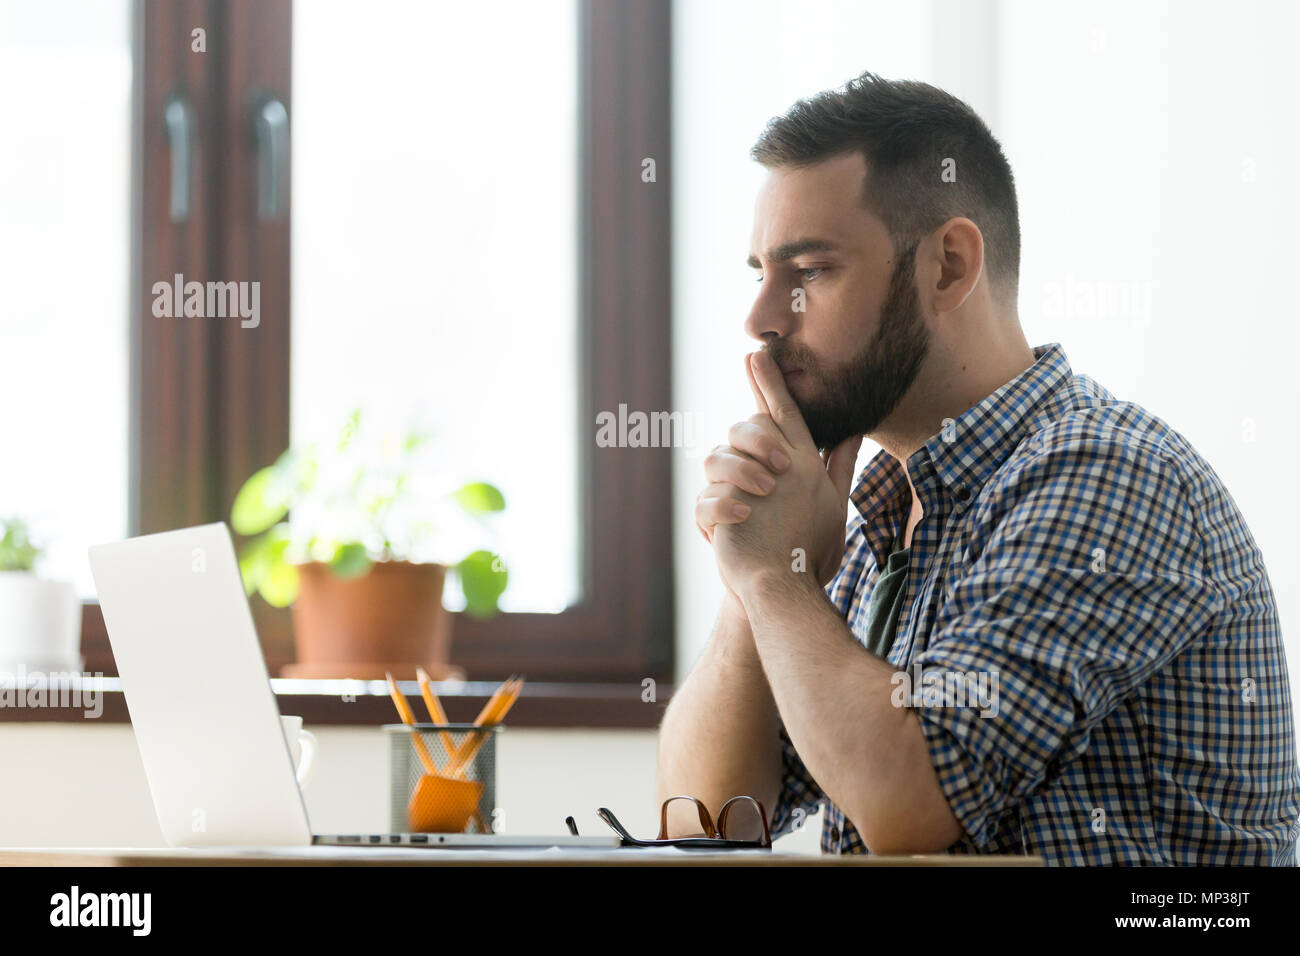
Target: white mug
{"points": [[302, 746]]}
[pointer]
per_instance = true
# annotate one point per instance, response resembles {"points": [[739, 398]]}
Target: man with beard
{"points": [[1022, 530]]}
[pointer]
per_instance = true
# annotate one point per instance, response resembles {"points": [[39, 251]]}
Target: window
{"points": [[434, 225], [362, 293], [65, 82]]}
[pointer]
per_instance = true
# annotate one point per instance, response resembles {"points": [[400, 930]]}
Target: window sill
{"points": [[367, 703]]}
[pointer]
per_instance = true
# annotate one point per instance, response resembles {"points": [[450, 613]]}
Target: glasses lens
{"points": [[743, 821], [684, 818]]}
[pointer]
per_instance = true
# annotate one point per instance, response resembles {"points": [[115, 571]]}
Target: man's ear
{"points": [[954, 264]]}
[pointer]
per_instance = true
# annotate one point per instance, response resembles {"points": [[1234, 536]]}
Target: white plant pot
{"points": [[40, 624]]}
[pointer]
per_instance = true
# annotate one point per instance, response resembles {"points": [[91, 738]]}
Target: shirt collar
{"points": [[962, 455]]}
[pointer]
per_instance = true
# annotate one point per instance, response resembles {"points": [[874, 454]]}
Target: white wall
{"points": [[1153, 145]]}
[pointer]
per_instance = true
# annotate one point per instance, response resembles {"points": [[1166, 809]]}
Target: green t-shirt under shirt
{"points": [[885, 603]]}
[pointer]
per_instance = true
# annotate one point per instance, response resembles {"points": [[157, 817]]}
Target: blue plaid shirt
{"points": [[1080, 558]]}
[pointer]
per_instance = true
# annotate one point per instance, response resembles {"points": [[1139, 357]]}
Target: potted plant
{"points": [[40, 620], [359, 536]]}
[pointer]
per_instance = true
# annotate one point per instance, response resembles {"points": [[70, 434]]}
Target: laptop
{"points": [[205, 718]]}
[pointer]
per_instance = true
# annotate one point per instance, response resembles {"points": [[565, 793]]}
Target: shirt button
{"points": [[835, 835], [963, 493]]}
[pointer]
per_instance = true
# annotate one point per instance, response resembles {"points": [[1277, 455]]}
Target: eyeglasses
{"points": [[714, 837]]}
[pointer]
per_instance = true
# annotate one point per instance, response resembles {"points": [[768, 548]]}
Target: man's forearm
{"points": [[718, 738], [869, 756]]}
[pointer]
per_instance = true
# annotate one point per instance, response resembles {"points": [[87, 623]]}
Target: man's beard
{"points": [[854, 400]]}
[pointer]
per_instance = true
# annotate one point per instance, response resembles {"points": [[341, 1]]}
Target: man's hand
{"points": [[774, 503], [729, 472]]}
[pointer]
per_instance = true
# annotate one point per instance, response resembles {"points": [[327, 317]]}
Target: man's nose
{"points": [[772, 314]]}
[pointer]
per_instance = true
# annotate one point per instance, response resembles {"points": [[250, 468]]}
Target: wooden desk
{"points": [[404, 856]]}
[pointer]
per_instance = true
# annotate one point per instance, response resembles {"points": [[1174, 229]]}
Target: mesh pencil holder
{"points": [[460, 798]]}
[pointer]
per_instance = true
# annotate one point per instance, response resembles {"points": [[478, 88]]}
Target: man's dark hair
{"points": [[906, 130]]}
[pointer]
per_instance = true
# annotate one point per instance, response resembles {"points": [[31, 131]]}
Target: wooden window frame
{"points": [[210, 401]]}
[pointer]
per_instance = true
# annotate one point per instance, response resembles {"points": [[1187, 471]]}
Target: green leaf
{"points": [[260, 503], [254, 564], [483, 578], [280, 586], [351, 561], [261, 560], [478, 497], [17, 551], [350, 428]]}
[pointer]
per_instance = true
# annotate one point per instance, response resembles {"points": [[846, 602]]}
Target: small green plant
{"points": [[17, 550], [363, 498]]}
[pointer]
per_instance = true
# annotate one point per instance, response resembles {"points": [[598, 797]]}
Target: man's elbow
{"points": [[926, 826], [910, 813], [907, 836]]}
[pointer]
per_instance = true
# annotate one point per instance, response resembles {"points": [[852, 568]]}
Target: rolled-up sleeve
{"points": [[1084, 578], [799, 791]]}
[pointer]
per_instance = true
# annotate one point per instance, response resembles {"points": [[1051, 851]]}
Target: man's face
{"points": [[856, 347]]}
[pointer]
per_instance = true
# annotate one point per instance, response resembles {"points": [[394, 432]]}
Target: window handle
{"points": [[178, 117], [271, 126]]}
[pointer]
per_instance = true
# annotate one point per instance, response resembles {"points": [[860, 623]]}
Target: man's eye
{"points": [[804, 271]]}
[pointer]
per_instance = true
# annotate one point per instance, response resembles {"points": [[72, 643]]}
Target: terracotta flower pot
{"points": [[389, 619]]}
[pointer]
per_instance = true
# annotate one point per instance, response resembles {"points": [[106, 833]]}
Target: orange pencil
{"points": [[490, 714], [488, 708], [408, 718], [436, 713], [456, 764], [504, 703], [494, 713]]}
